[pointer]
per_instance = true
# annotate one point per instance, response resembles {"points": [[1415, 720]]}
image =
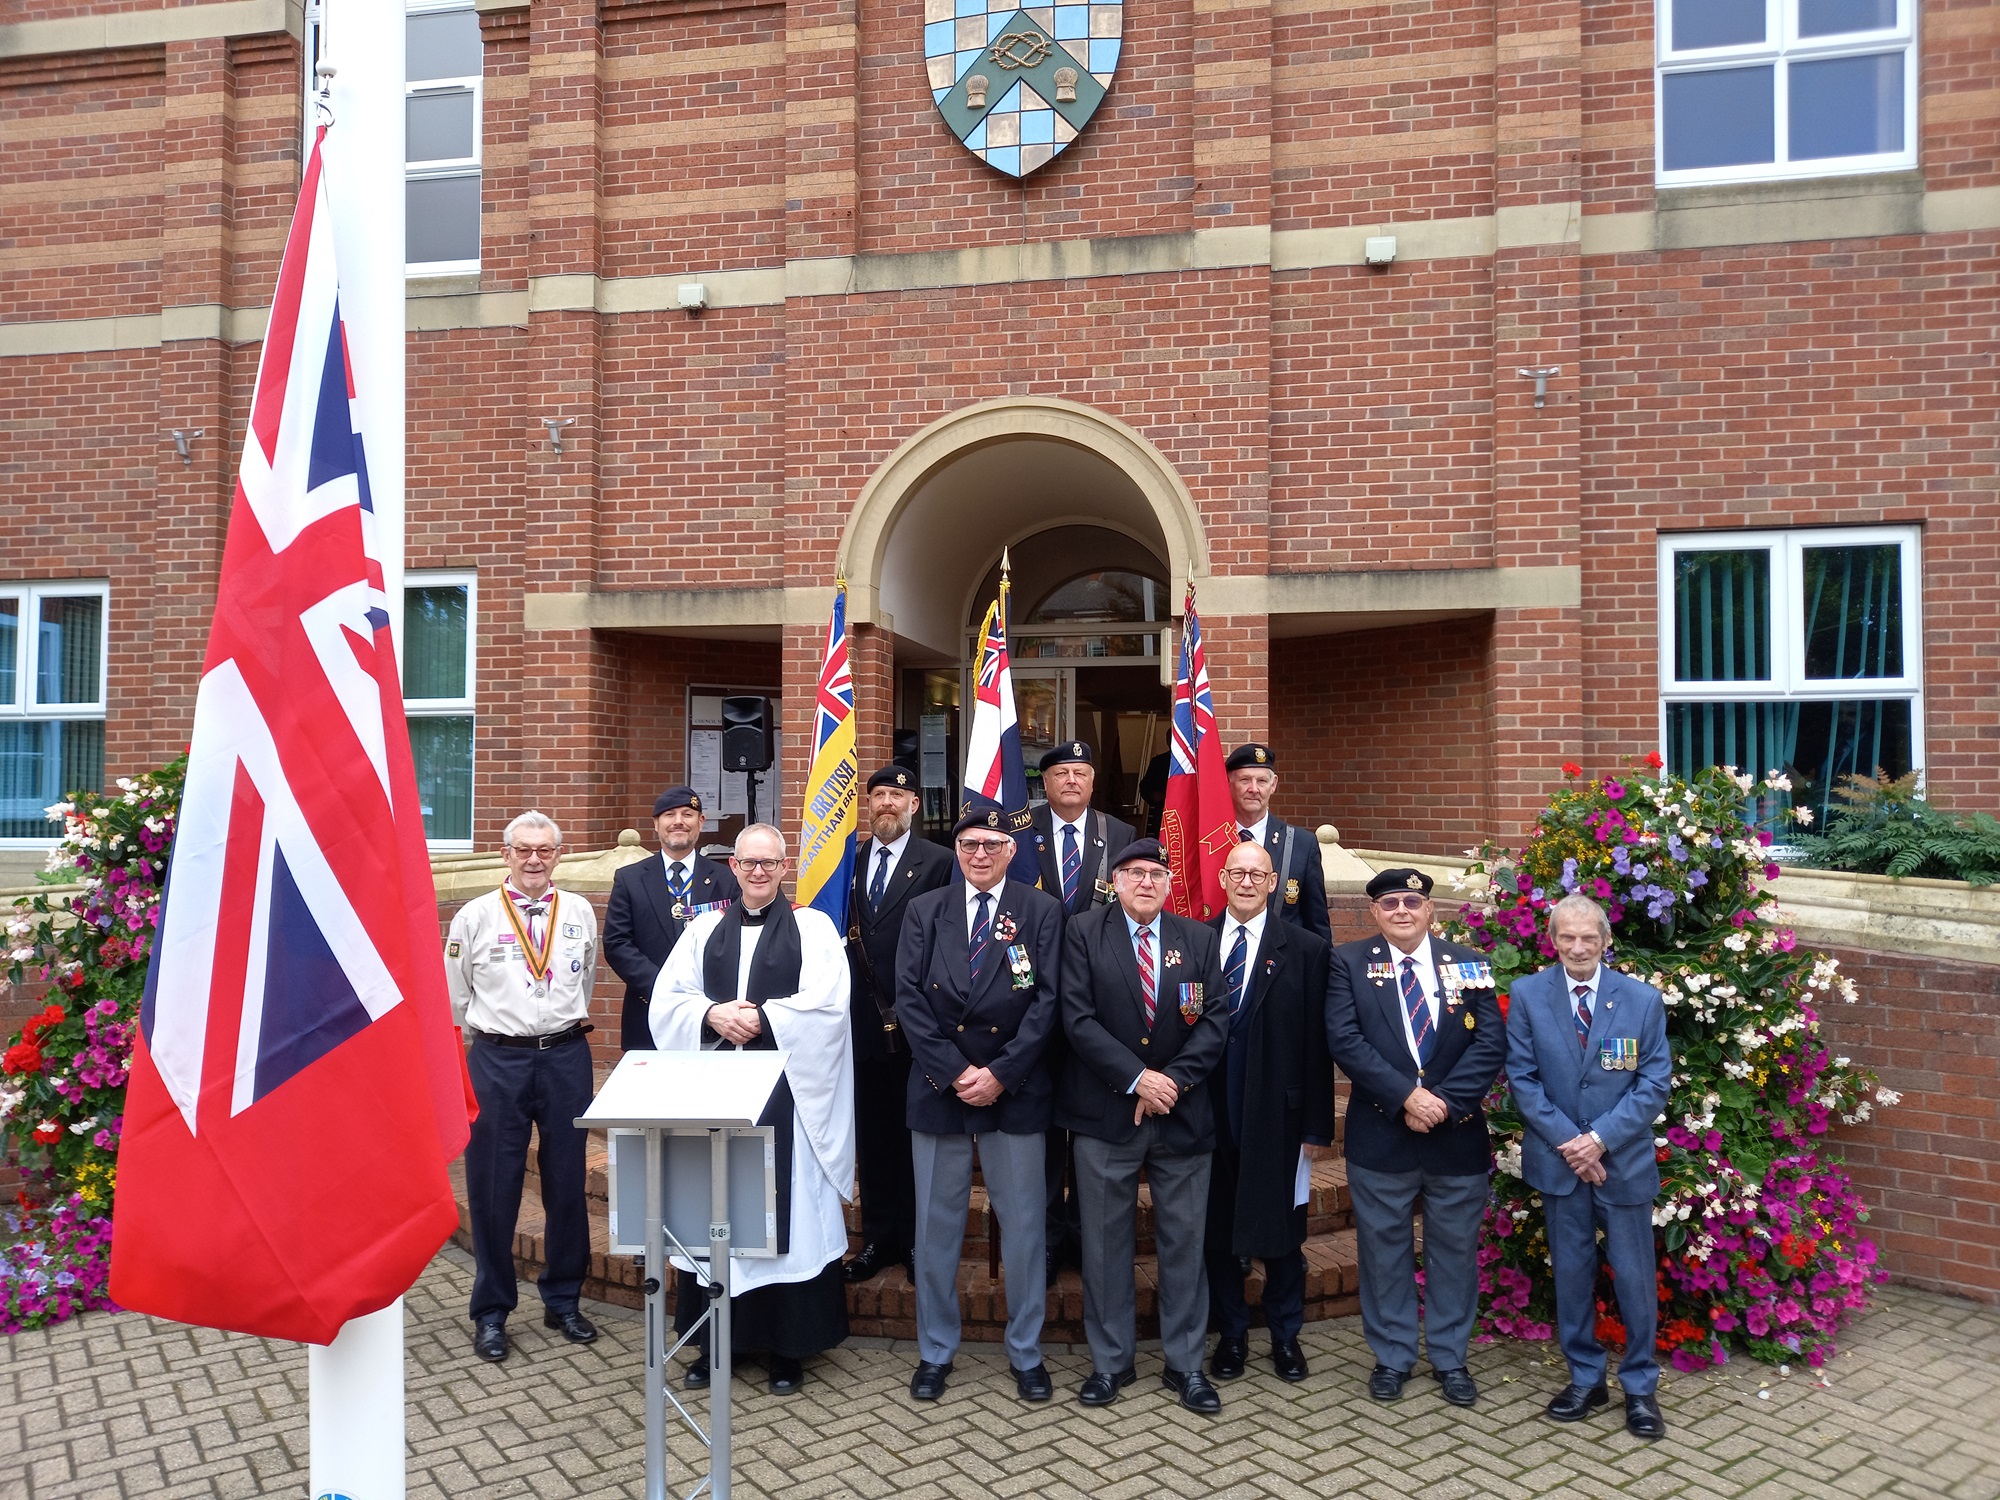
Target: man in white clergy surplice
{"points": [[763, 974]]}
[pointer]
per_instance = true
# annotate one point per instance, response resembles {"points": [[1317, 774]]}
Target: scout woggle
{"points": [[537, 958]]}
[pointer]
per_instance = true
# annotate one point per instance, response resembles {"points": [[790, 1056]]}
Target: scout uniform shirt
{"points": [[528, 976]]}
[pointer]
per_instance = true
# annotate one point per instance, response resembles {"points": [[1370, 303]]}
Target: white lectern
{"points": [[719, 1095]]}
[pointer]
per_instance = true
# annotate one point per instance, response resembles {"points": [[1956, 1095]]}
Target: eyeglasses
{"points": [[534, 851], [1143, 875], [1408, 902], [1248, 877], [982, 848], [756, 866]]}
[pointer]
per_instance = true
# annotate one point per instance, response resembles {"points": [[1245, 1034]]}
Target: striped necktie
{"points": [[1148, 981], [1583, 1015], [982, 929], [1233, 972], [1072, 861], [1419, 1011]]}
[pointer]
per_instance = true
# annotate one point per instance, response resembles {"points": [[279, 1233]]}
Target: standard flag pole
{"points": [[359, 1446]]}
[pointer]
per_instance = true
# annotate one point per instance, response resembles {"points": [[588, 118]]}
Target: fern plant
{"points": [[1886, 826]]}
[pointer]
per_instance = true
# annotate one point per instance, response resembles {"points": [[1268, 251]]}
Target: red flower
{"points": [[48, 1132], [1653, 759], [22, 1057], [41, 1025], [1503, 1005], [1571, 768]]}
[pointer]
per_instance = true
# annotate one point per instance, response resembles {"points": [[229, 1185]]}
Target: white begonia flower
{"points": [[1887, 1096], [1803, 816], [1778, 781]]}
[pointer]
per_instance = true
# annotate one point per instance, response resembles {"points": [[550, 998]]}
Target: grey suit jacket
{"points": [[1562, 1090]]}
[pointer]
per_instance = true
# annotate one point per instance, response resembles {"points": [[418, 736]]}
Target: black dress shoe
{"points": [[1194, 1390], [1102, 1389], [1034, 1385], [870, 1260], [1385, 1384], [696, 1378], [787, 1375], [1643, 1419], [489, 1340], [1457, 1386], [574, 1325], [1288, 1359], [1575, 1402], [1230, 1354], [928, 1383]]}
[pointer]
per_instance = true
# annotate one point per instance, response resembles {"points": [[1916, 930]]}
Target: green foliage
{"points": [[1887, 826]]}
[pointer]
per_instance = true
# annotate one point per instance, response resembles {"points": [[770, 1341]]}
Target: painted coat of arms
{"points": [[1017, 83]]}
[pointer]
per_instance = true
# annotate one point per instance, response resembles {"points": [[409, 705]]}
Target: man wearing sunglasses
{"points": [[976, 971], [1147, 1019], [1414, 1022]]}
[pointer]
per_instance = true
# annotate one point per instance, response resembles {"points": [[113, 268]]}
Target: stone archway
{"points": [[1131, 486]]}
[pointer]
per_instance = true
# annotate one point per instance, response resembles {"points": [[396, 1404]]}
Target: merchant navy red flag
{"points": [[297, 1091], [1197, 820]]}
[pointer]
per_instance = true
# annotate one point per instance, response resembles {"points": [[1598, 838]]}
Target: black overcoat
{"points": [[1104, 1019], [1105, 837], [1301, 894], [872, 935], [1004, 1023], [1365, 1032], [1287, 1091]]}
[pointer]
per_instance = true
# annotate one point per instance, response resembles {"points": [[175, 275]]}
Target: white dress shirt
{"points": [[1427, 977], [685, 866], [1569, 990], [972, 906], [1255, 928], [895, 846], [1255, 830]]}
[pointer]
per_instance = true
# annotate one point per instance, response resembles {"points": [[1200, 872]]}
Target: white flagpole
{"points": [[357, 1427]]}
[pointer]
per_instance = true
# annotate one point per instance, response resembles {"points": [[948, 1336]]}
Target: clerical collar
{"points": [[756, 918]]}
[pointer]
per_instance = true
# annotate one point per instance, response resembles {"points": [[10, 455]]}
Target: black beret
{"points": [[1399, 880], [981, 817], [1251, 755], [676, 796], [1069, 752], [1140, 849], [902, 778]]}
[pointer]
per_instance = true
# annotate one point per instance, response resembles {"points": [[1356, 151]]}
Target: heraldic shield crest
{"points": [[1017, 83]]}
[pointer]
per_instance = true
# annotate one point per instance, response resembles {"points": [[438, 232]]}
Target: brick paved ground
{"points": [[123, 1406]]}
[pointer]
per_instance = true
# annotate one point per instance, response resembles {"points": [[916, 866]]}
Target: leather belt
{"points": [[574, 1033]]}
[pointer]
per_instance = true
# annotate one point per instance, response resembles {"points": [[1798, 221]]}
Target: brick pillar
{"points": [[871, 658], [190, 511], [572, 683], [1238, 651], [803, 647], [1535, 660]]}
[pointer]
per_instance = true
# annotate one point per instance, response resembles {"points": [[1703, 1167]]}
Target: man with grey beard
{"points": [[890, 866]]}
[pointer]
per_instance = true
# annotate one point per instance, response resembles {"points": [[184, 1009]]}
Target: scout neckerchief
{"points": [[537, 957]]}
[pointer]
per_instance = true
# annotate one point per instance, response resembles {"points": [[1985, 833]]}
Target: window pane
{"points": [[41, 762], [69, 649], [443, 222], [10, 646], [1717, 23], [442, 750], [1847, 106], [434, 641], [1102, 597], [1722, 118], [443, 46], [1815, 744], [1722, 616], [440, 126], [1854, 611], [1834, 17]]}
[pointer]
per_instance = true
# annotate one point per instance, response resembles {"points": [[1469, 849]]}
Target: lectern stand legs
{"points": [[719, 1270], [656, 1325]]}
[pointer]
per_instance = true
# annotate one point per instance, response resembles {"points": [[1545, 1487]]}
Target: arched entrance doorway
{"points": [[1101, 535]]}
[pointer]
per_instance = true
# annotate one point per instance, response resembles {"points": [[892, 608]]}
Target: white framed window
{"points": [[1752, 90], [52, 693], [1793, 650], [443, 108], [440, 686]]}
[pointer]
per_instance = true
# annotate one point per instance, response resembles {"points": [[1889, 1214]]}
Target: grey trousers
{"points": [[1384, 1203], [1107, 1186], [1012, 1167]]}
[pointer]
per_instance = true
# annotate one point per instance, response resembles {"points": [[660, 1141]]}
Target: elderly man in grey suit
{"points": [[1588, 1063]]}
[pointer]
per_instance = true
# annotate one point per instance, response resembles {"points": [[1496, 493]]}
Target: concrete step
{"points": [[885, 1306]]}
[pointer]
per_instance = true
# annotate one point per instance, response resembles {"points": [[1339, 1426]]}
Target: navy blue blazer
{"points": [[1002, 1023], [1365, 1031], [1301, 894], [1106, 837], [640, 930], [1563, 1090]]}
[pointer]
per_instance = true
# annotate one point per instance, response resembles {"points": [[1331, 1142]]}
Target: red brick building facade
{"points": [[1423, 586]]}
